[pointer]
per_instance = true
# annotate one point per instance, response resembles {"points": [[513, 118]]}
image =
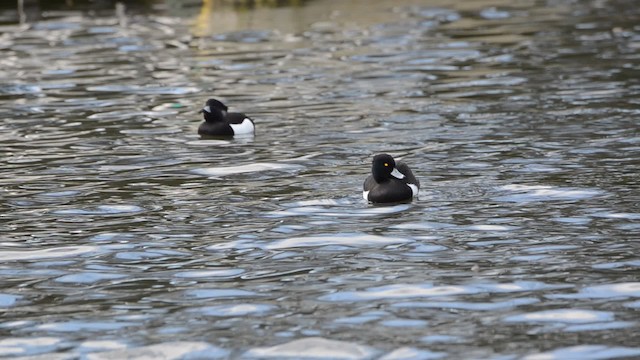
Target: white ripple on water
{"points": [[16, 346], [208, 142], [493, 14], [85, 326], [102, 210], [572, 220], [434, 339], [616, 265], [20, 89], [567, 316], [586, 352], [339, 211], [482, 306], [145, 90], [90, 346], [545, 249], [404, 323], [614, 215], [60, 193], [400, 291], [490, 227], [88, 277], [397, 291], [530, 193], [233, 310], [54, 252], [344, 239], [248, 168], [209, 273], [609, 325], [139, 255], [316, 348], [518, 286], [218, 293], [130, 114], [621, 290], [440, 14], [423, 225], [409, 353], [430, 225], [168, 350]]}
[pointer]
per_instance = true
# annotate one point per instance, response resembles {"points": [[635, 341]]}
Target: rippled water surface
{"points": [[125, 235]]}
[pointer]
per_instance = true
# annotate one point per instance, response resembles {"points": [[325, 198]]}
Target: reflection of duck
{"points": [[219, 122], [389, 182]]}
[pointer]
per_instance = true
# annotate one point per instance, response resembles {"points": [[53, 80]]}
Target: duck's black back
{"points": [[236, 118], [409, 178]]}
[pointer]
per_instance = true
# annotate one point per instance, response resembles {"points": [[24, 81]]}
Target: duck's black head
{"points": [[214, 110], [384, 168]]}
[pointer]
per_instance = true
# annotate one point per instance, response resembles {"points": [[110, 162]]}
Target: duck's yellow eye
{"points": [[386, 164]]}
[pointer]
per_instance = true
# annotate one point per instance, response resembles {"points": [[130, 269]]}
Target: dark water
{"points": [[125, 235]]}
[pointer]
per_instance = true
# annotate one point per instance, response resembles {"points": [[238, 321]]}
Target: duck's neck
{"points": [[379, 178]]}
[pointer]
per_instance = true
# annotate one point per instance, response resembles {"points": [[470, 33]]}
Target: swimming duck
{"points": [[389, 182], [219, 122]]}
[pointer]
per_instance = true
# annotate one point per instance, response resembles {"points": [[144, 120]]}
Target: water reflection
{"points": [[125, 234]]}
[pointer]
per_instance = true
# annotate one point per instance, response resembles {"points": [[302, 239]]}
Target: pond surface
{"points": [[125, 235]]}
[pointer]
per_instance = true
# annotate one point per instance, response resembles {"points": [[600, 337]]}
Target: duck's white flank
{"points": [[365, 195], [245, 127], [414, 189], [397, 174]]}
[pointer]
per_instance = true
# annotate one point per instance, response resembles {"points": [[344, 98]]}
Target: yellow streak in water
{"points": [[203, 18]]}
